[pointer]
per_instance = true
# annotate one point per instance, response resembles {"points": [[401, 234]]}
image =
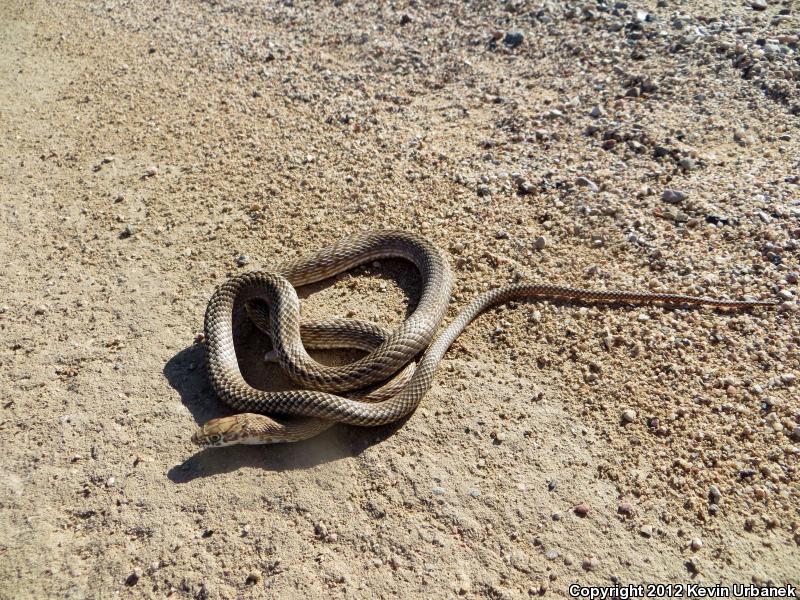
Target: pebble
{"points": [[540, 243], [625, 508], [437, 491], [582, 509], [646, 530], [596, 112], [242, 260], [759, 5], [551, 555], [714, 495], [151, 171], [129, 230], [585, 182], [696, 544], [513, 38], [525, 187], [674, 196], [628, 415], [590, 563], [484, 190], [252, 579], [133, 578]]}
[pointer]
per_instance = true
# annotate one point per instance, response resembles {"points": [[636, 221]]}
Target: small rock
{"points": [[696, 544], [540, 243], [586, 182], [714, 495], [513, 39], [525, 187], [502, 234], [674, 196], [133, 578], [740, 136], [582, 509], [484, 190], [625, 508], [437, 491], [628, 415], [590, 563], [551, 555], [151, 171], [242, 260], [129, 231], [596, 112], [111, 481], [551, 485], [405, 19], [758, 5], [646, 531], [252, 579]]}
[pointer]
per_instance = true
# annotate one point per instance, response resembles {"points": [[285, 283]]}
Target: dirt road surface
{"points": [[149, 152]]}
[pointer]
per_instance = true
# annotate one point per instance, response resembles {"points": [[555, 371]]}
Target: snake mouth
{"points": [[224, 431], [206, 439]]}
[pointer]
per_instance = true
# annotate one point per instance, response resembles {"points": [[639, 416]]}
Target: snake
{"points": [[335, 394]]}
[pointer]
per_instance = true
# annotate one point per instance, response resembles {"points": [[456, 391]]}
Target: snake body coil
{"points": [[388, 353]]}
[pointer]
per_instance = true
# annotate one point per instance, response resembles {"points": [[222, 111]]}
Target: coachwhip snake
{"points": [[272, 303]]}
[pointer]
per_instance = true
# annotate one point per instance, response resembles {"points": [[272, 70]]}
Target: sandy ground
{"points": [[144, 150]]}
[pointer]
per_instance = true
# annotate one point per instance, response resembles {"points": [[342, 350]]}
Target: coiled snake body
{"points": [[273, 304]]}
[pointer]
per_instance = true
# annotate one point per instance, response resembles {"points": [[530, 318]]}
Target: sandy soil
{"points": [[144, 150]]}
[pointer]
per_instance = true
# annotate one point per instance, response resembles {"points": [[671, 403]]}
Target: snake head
{"points": [[224, 431]]}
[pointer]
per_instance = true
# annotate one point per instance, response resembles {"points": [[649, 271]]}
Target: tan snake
{"points": [[273, 304]]}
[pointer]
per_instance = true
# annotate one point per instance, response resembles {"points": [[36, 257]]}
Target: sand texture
{"points": [[151, 150]]}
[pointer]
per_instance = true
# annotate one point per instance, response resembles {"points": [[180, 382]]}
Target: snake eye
{"points": [[216, 438]]}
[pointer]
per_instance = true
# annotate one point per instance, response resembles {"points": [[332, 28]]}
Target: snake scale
{"points": [[272, 303]]}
